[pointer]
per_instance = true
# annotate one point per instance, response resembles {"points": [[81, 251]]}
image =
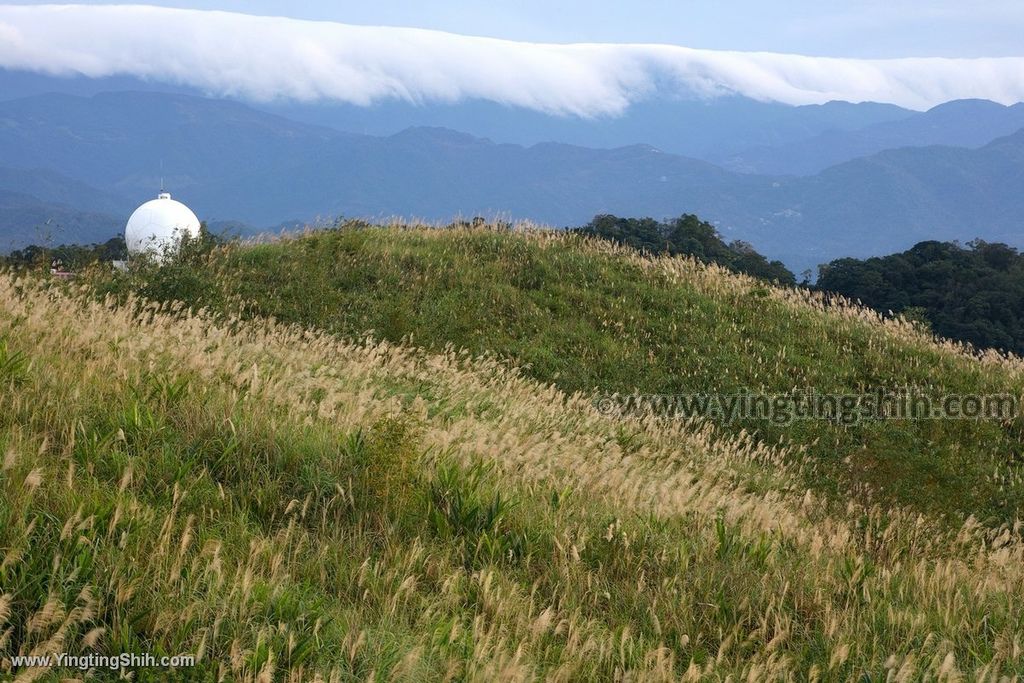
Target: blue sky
{"points": [[871, 28]]}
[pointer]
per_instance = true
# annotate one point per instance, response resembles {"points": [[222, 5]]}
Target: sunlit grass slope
{"points": [[288, 506], [585, 316]]}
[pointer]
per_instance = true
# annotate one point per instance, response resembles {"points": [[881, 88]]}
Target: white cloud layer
{"points": [[267, 58]]}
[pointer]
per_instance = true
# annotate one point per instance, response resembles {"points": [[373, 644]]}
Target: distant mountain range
{"points": [[701, 128], [42, 206], [81, 164], [964, 123]]}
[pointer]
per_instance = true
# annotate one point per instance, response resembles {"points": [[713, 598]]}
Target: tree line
{"points": [[972, 293]]}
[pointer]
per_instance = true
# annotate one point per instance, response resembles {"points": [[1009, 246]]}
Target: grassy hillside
{"points": [[287, 505], [586, 317]]}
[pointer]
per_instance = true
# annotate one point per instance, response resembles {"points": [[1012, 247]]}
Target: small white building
{"points": [[158, 226]]}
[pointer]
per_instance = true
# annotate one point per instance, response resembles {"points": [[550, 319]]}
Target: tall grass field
{"points": [[374, 453]]}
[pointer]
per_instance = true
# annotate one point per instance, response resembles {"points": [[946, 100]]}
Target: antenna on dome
{"points": [[164, 194]]}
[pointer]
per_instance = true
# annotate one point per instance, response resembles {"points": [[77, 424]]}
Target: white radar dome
{"points": [[159, 225]]}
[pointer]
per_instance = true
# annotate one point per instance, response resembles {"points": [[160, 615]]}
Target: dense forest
{"points": [[973, 292], [687, 235]]}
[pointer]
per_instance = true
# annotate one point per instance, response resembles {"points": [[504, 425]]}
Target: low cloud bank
{"points": [[268, 58]]}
